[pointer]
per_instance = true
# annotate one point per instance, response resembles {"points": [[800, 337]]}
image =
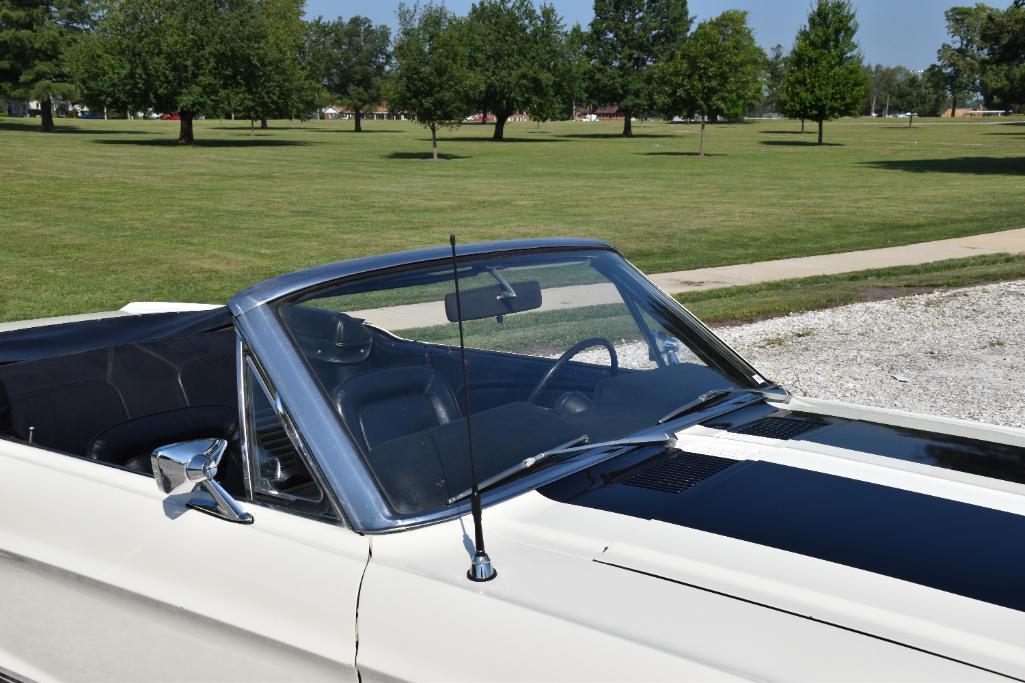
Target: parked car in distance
{"points": [[287, 487], [170, 117]]}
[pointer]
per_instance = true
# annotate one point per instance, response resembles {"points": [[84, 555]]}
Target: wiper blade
{"points": [[571, 446], [714, 396]]}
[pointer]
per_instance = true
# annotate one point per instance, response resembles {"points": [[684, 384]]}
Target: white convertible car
{"points": [[285, 488]]}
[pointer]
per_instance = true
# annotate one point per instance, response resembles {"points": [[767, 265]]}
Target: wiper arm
{"points": [[571, 446], [714, 396], [521, 466]]}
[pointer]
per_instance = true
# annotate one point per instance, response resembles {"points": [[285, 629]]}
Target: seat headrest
{"points": [[328, 336], [384, 404]]}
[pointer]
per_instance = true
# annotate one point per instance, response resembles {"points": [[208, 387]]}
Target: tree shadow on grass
{"points": [[679, 154], [308, 129], [469, 138], [424, 156], [610, 136], [200, 142], [799, 143], [969, 165], [65, 129]]}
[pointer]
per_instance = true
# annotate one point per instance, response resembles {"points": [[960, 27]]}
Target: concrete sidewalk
{"points": [[1009, 241], [1006, 242]]}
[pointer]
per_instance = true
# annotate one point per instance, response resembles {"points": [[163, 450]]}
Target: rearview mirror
{"points": [[192, 465], [494, 301]]}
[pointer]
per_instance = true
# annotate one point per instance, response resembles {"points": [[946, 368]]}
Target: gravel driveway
{"points": [[957, 353]]}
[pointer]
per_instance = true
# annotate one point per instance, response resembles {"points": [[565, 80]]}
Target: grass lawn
{"points": [[754, 302], [106, 212]]}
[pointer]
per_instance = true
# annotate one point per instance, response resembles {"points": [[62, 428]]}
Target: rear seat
{"points": [[69, 400]]}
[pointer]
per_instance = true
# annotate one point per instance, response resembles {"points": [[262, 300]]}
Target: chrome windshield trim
{"points": [[344, 470], [290, 283]]}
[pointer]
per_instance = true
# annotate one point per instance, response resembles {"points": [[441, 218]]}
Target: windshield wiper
{"points": [[571, 446], [714, 396]]}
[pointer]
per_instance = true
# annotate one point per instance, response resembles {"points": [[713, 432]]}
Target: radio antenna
{"points": [[480, 567]]}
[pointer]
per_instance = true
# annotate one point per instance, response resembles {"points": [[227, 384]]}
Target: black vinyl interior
{"points": [[402, 401], [117, 404]]}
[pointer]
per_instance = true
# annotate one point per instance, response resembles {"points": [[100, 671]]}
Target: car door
{"points": [[103, 578]]}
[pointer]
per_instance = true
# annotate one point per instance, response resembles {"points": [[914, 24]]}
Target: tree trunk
{"points": [[701, 144], [434, 142], [953, 105], [820, 131], [185, 136], [628, 131], [359, 120], [47, 116], [802, 126], [252, 126], [263, 123], [910, 119], [499, 134]]}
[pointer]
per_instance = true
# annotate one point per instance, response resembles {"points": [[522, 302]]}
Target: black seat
{"points": [[382, 405], [130, 444]]}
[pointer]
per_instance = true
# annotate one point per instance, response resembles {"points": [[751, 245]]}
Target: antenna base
{"points": [[481, 569]]}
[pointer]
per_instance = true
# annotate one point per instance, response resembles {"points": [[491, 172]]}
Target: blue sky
{"points": [[892, 32]]}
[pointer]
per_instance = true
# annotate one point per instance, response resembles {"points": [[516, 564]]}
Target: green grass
{"points": [[106, 212], [770, 299]]}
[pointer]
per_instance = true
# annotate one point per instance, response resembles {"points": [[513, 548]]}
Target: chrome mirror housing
{"points": [[192, 465]]}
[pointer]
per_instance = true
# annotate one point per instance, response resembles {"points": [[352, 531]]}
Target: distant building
{"points": [[17, 107], [608, 112]]}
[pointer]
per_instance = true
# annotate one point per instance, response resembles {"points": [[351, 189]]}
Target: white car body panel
{"points": [[118, 580], [564, 616]]}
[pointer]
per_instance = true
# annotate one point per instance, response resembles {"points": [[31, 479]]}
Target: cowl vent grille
{"points": [[678, 472], [778, 427]]}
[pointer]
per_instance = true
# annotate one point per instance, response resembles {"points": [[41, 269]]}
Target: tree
{"points": [[556, 78], [775, 67], [433, 79], [824, 79], [883, 86], [267, 45], [717, 72], [628, 38], [198, 56], [34, 38], [353, 59], [961, 60], [519, 56], [1003, 34]]}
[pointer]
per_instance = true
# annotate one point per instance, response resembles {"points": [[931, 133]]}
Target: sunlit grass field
{"points": [[106, 212]]}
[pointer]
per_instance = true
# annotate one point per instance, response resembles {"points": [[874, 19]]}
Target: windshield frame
{"points": [[351, 479]]}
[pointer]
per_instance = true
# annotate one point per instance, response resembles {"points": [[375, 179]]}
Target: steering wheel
{"points": [[565, 358]]}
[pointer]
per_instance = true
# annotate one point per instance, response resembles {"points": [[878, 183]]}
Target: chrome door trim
{"points": [[250, 361]]}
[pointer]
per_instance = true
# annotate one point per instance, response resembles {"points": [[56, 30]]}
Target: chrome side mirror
{"points": [[180, 467]]}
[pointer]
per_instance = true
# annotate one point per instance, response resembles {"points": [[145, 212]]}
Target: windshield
{"points": [[559, 345]]}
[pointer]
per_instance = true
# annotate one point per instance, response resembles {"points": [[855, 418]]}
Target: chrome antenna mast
{"points": [[480, 567]]}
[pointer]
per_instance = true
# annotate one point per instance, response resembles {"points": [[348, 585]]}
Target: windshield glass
{"points": [[558, 345]]}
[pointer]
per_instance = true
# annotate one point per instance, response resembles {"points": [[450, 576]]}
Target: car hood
{"points": [[918, 554]]}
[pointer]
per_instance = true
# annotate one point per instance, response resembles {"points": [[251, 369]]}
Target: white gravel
{"points": [[957, 353]]}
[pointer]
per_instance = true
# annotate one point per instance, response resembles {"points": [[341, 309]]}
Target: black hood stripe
{"points": [[968, 550]]}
